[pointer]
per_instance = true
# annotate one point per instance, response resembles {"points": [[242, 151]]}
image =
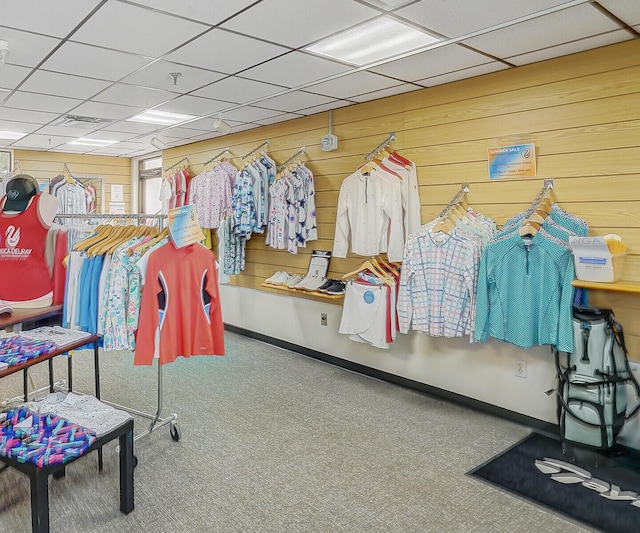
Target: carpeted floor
{"points": [[276, 442]]}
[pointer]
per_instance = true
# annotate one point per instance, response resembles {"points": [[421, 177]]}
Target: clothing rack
{"points": [[464, 189], [265, 143], [217, 156], [156, 421], [381, 146], [291, 159], [186, 158]]}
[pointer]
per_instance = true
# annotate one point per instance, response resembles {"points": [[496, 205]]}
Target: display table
{"points": [[39, 476]]}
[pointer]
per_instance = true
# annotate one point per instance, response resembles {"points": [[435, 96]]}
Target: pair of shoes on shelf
{"points": [[279, 278], [293, 280], [333, 287], [310, 283]]}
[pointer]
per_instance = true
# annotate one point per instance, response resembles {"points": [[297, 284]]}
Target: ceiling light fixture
{"points": [[157, 143], [4, 51], [100, 143], [221, 126], [373, 41], [160, 117], [14, 135]]}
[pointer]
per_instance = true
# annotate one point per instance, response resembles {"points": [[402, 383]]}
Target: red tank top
{"points": [[24, 274]]}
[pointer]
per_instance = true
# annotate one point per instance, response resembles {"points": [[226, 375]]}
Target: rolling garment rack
{"points": [[156, 420]]}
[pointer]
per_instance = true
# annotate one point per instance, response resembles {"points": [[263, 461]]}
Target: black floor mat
{"points": [[599, 490]]}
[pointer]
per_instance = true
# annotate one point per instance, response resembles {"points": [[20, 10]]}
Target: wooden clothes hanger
{"points": [[368, 265]]}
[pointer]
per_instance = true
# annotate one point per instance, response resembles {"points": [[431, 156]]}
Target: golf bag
{"points": [[592, 385]]}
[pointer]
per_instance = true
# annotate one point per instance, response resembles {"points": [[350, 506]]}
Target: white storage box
{"points": [[594, 261]]}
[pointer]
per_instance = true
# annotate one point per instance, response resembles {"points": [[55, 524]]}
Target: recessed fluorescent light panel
{"points": [[14, 135], [372, 41], [100, 143], [160, 117]]}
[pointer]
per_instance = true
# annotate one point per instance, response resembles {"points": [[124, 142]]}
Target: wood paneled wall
{"points": [[581, 111], [47, 165]]}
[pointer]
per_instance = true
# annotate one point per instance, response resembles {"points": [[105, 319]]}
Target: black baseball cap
{"points": [[20, 189]]}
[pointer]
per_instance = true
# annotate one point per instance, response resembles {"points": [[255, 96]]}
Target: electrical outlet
{"points": [[520, 369], [323, 319]]}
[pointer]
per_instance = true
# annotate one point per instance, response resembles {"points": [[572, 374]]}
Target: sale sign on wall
{"points": [[512, 161]]}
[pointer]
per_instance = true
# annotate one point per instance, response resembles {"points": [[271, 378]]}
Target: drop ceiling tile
{"points": [[204, 136], [71, 149], [85, 60], [111, 150], [294, 100], [132, 127], [391, 91], [353, 84], [454, 19], [11, 77], [41, 142], [295, 23], [249, 114], [69, 131], [487, 68], [182, 132], [130, 145], [109, 135], [193, 105], [226, 52], [26, 115], [626, 10], [432, 63], [572, 47], [108, 111], [41, 102], [325, 107], [57, 84], [119, 93], [157, 76], [388, 5], [156, 35], [18, 126], [571, 24], [238, 90], [204, 11], [294, 69], [26, 49], [245, 127], [207, 124], [278, 118], [52, 18]]}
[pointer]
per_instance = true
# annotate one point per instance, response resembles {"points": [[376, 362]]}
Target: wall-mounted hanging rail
{"points": [[226, 150], [381, 146], [265, 143], [464, 189], [17, 165], [176, 164], [546, 188], [292, 158]]}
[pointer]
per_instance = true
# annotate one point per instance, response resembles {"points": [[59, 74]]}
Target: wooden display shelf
{"points": [[303, 292], [624, 286]]}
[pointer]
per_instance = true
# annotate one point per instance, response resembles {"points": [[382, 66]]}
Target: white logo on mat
{"points": [[569, 474]]}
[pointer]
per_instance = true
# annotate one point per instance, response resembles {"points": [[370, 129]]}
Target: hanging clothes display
{"points": [[440, 272], [174, 189], [292, 208], [180, 313], [524, 293], [211, 193], [369, 310], [377, 207]]}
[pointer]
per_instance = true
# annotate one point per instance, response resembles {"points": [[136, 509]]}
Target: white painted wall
{"points": [[485, 371]]}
